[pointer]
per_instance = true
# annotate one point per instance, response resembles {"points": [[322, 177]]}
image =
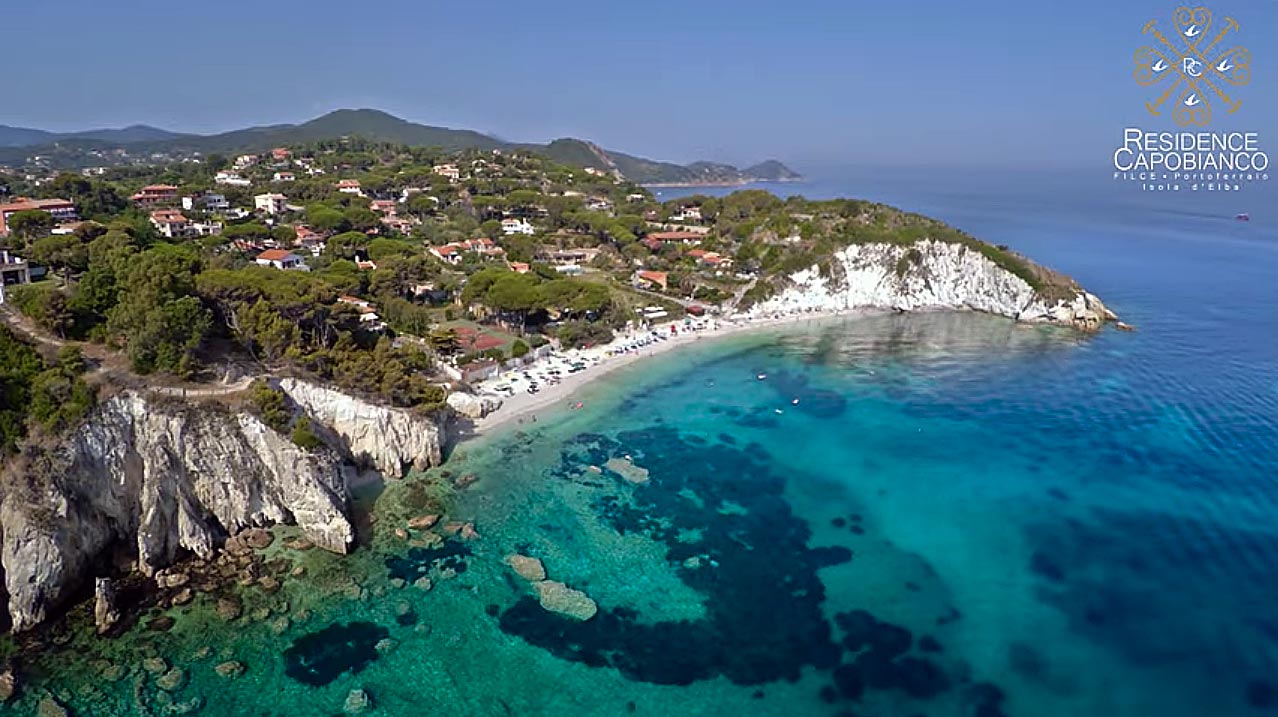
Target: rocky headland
{"points": [[930, 274], [147, 480]]}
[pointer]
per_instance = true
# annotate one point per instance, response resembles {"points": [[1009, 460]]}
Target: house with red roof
{"points": [[62, 210], [155, 194], [651, 279], [282, 259]]}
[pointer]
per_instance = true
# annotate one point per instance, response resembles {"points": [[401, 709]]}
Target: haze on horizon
{"points": [[984, 83]]}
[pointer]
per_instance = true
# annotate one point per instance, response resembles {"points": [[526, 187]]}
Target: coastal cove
{"points": [[932, 513]]}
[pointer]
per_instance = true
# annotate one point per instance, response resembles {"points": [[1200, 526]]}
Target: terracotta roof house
{"points": [[651, 279], [282, 259]]}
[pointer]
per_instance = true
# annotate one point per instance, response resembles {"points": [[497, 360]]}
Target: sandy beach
{"points": [[525, 406]]}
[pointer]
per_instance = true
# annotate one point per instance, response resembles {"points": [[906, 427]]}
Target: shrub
{"points": [[303, 436], [269, 404]]}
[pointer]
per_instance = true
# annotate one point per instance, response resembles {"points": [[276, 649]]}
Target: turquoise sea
{"points": [[932, 514]]}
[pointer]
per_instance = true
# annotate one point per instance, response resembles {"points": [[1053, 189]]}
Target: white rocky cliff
{"points": [[154, 477], [934, 275], [391, 439]]}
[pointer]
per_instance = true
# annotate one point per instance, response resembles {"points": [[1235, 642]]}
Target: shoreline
{"points": [[524, 405]]}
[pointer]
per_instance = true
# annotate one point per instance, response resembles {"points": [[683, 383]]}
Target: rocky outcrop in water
{"points": [[390, 439], [105, 612], [936, 275]]}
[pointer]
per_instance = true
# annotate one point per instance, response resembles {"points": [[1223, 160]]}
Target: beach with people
{"points": [[553, 382]]}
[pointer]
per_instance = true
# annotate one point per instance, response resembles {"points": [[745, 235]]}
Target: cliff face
{"points": [[158, 477], [930, 274], [391, 439]]}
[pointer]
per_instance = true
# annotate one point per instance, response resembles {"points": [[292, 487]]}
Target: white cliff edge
{"points": [[392, 440], [929, 275], [155, 478]]}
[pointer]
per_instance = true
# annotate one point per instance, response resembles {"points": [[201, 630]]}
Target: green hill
{"points": [[81, 149]]}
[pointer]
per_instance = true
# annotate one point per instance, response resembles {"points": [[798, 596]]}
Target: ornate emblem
{"points": [[1195, 63]]}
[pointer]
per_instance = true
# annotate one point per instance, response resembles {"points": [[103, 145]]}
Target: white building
{"points": [[209, 201], [14, 270], [270, 203], [230, 178], [450, 171], [282, 259], [517, 226]]}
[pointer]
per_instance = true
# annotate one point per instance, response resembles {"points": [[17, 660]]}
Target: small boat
{"points": [[1243, 217], [762, 376]]}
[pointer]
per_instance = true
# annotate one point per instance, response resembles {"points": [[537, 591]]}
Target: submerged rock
{"points": [[627, 470], [229, 608], [172, 680], [230, 669], [529, 569], [50, 707], [8, 684], [423, 522], [357, 702], [561, 599]]}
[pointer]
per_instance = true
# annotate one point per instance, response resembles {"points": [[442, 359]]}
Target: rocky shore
{"points": [[146, 480], [936, 275]]}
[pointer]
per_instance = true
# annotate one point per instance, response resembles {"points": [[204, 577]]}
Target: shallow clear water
{"points": [[960, 516]]}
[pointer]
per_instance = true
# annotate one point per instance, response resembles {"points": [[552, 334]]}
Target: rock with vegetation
{"points": [[159, 476], [391, 439]]}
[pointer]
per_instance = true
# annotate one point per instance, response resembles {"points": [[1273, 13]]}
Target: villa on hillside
{"points": [[270, 203], [209, 201], [171, 223], [282, 259], [62, 210], [14, 270], [232, 179], [651, 279], [155, 194], [517, 226], [350, 186]]}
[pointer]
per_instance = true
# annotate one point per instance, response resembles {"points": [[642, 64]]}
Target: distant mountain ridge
{"points": [[23, 137], [18, 145]]}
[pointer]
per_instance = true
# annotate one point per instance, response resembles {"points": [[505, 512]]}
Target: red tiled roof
{"points": [[275, 254], [675, 236], [29, 204]]}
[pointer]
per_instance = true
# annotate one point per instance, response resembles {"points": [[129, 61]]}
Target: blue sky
{"points": [[831, 82]]}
